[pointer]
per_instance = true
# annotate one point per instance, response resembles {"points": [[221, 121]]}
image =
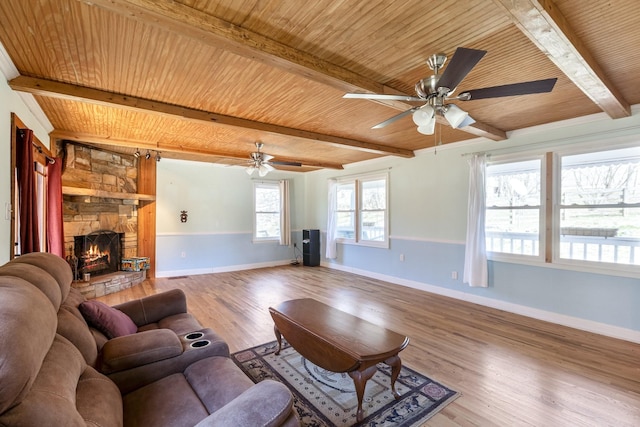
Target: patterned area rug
{"points": [[326, 399]]}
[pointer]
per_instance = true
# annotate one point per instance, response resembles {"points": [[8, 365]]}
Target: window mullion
{"points": [[358, 212], [547, 222]]}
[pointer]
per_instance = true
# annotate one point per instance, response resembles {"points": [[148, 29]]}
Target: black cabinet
{"points": [[311, 248]]}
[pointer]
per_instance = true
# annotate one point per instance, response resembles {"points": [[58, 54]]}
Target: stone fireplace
{"points": [[100, 216]]}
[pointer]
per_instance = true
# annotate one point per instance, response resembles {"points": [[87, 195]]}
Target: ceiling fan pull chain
{"points": [[437, 131]]}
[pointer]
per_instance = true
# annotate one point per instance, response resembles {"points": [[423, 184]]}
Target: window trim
{"points": [[551, 231], [542, 208], [358, 181], [583, 265], [264, 184]]}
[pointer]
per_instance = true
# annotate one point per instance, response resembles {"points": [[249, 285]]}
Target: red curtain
{"points": [[29, 240], [55, 233]]}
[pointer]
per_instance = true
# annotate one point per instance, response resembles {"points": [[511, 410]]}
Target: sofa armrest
{"points": [[153, 308], [268, 403], [131, 351]]}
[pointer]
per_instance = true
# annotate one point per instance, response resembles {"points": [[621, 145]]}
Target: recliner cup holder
{"points": [[194, 335], [200, 344]]}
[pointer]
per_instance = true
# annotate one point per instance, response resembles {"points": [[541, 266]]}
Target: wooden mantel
{"points": [[78, 191]]}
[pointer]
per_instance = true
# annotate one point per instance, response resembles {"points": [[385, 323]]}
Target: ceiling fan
{"points": [[437, 90], [263, 162]]}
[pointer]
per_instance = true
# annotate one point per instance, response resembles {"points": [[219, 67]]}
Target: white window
{"points": [[361, 210], [266, 198], [595, 219], [346, 211], [599, 206], [514, 206]]}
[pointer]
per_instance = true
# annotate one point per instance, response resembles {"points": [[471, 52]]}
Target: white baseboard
{"points": [[225, 269], [548, 316]]}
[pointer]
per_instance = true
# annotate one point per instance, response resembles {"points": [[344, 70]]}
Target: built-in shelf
{"points": [[77, 191]]}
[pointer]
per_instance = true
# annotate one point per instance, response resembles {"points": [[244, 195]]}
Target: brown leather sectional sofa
{"points": [[57, 370]]}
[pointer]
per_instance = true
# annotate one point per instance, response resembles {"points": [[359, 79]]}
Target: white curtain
{"points": [[331, 252], [285, 213], [475, 256]]}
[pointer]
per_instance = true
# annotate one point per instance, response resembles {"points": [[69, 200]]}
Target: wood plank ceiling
{"points": [[204, 80]]}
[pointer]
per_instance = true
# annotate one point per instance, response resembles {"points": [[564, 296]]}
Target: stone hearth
{"points": [[109, 283]]}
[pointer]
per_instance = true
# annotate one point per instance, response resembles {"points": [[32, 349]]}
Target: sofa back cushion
{"points": [[27, 329], [37, 277], [154, 308], [77, 331], [52, 264], [67, 392], [71, 304]]}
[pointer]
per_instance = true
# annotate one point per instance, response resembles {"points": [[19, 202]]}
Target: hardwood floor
{"points": [[510, 369]]}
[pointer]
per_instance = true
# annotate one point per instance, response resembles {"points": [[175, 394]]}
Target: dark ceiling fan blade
{"points": [[461, 64], [381, 96], [526, 88], [283, 163], [394, 118]]}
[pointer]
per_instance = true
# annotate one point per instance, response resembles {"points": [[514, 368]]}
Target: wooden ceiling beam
{"points": [[82, 137], [50, 88], [187, 21], [542, 22]]}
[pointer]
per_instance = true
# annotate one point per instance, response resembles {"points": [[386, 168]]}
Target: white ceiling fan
{"points": [[263, 163]]}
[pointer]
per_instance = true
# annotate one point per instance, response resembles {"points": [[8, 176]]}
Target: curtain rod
{"points": [[361, 173], [37, 146], [51, 160], [478, 153]]}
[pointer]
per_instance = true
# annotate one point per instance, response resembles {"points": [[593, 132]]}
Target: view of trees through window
{"points": [[346, 211], [361, 210], [598, 207], [374, 201], [267, 211], [513, 207]]}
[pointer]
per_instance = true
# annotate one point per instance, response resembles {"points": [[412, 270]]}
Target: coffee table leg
{"points": [[279, 338], [360, 379], [396, 366]]}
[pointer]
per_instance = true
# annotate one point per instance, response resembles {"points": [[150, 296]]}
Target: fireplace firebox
{"points": [[98, 253]]}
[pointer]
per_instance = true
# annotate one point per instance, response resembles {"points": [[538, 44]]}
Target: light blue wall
{"points": [[428, 208], [218, 233], [11, 102]]}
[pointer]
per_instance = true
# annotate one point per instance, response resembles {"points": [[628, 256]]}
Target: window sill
{"points": [[380, 245], [620, 270], [269, 240]]}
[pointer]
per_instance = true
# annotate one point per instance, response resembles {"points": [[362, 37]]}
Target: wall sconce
{"points": [[183, 216]]}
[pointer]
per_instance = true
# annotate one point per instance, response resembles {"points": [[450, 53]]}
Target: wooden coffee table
{"points": [[338, 342]]}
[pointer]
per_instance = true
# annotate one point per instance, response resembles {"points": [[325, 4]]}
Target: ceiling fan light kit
{"points": [[427, 129], [423, 116], [454, 115], [425, 119], [436, 92]]}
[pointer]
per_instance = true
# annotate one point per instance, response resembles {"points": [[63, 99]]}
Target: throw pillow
{"points": [[108, 320]]}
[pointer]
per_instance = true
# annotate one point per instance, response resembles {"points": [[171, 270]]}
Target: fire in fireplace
{"points": [[98, 253]]}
